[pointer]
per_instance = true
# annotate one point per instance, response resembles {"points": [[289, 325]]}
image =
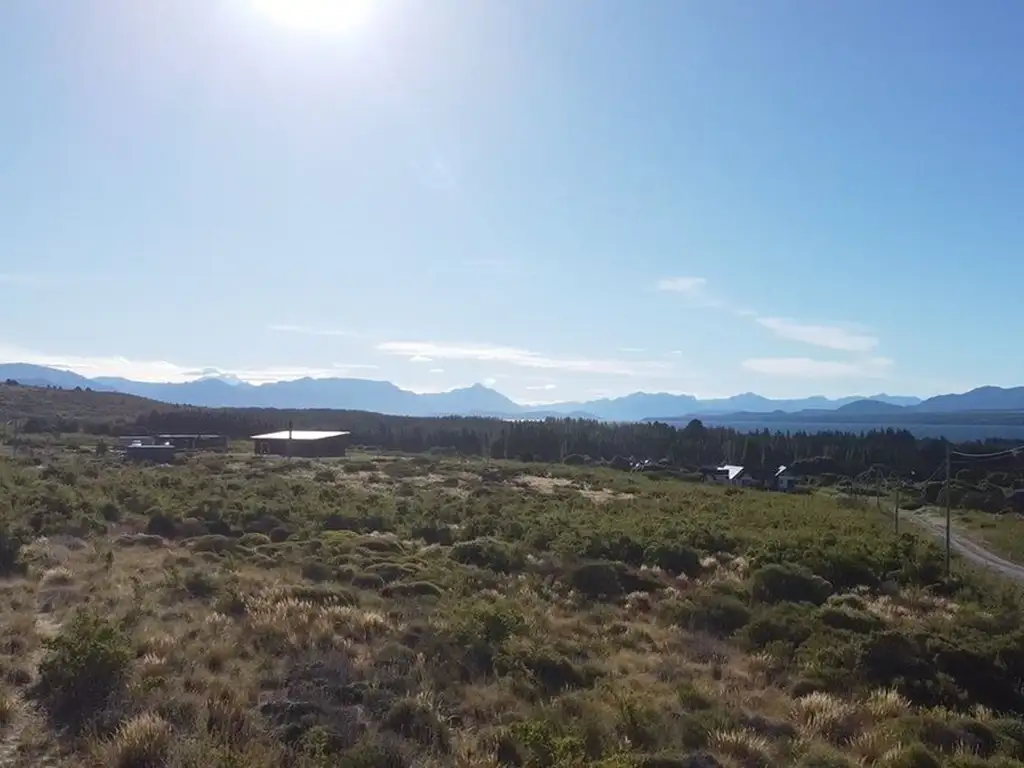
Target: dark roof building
{"points": [[297, 442], [158, 454]]}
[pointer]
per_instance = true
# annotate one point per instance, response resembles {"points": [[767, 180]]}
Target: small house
{"points": [[728, 474], [784, 479]]}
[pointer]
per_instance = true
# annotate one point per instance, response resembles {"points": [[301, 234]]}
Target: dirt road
{"points": [[967, 548]]}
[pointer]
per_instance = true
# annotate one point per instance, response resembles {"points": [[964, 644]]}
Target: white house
{"points": [[733, 474]]}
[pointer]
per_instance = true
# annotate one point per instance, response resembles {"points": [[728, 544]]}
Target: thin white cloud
{"points": [[306, 330], [842, 338], [543, 388], [689, 286], [167, 372], [437, 370], [421, 359], [520, 358], [807, 368], [490, 381], [828, 336], [632, 350]]}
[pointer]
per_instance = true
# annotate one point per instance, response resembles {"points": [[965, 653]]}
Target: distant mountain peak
{"points": [[217, 388]]}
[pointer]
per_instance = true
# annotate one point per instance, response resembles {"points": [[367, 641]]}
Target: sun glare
{"points": [[326, 17]]}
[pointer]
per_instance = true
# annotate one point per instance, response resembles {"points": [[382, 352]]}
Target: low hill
{"points": [[19, 402], [870, 406]]}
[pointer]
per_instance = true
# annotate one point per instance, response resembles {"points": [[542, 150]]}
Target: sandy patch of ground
{"points": [[553, 484]]}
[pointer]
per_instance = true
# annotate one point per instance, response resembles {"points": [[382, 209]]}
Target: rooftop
{"points": [[732, 470], [299, 434]]}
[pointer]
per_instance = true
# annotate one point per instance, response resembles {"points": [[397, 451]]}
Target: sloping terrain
{"points": [[390, 611]]}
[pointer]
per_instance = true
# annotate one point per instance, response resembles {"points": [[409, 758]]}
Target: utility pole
{"points": [[949, 522], [896, 510]]}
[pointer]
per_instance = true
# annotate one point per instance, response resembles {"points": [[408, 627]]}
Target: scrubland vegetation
{"points": [[393, 611]]}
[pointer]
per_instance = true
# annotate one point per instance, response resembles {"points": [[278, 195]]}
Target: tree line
{"points": [[893, 451]]}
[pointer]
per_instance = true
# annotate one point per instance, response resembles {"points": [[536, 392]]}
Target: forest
{"points": [[894, 452]]}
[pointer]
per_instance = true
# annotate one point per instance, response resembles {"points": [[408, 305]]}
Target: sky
{"points": [[562, 200]]}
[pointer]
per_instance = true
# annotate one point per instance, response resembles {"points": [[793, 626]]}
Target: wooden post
{"points": [[949, 521]]}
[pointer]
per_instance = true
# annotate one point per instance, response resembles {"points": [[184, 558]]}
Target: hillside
{"points": [[417, 611], [25, 402]]}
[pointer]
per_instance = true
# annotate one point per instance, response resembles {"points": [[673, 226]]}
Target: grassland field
{"points": [[410, 610]]}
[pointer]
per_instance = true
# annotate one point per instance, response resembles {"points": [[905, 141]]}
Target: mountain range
{"points": [[478, 400]]}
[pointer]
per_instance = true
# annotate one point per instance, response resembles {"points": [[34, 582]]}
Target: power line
{"points": [[1007, 453]]}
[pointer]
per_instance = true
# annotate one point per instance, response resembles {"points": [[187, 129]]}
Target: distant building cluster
{"points": [[164, 449], [743, 477]]}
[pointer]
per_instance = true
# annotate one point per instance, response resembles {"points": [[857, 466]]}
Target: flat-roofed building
{"points": [[307, 443]]}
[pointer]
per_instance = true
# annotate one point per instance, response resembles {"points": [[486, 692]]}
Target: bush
{"points": [[851, 619], [714, 613], [213, 543], [786, 583], [254, 540], [677, 558], [11, 543], [417, 722], [915, 756], [414, 589], [434, 534], [488, 553], [83, 667], [142, 742], [162, 525], [599, 580], [199, 584]]}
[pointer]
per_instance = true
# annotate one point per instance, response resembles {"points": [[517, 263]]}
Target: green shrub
{"points": [[714, 613], [489, 553], [434, 534], [83, 667], [915, 756], [851, 619], [677, 558], [314, 570], [778, 583], [199, 584], [213, 543], [825, 757], [414, 589], [254, 540], [417, 722], [160, 524], [11, 542], [598, 580], [789, 624]]}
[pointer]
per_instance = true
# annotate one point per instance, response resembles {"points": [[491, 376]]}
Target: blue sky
{"points": [[561, 199]]}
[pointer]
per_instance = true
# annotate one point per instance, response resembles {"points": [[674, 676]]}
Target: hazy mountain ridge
{"points": [[385, 397]]}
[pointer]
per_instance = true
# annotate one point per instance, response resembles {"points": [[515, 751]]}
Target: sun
{"points": [[328, 17]]}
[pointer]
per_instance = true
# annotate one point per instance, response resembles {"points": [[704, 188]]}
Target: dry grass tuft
{"points": [[8, 707], [142, 742], [824, 716], [750, 749], [60, 576], [874, 747], [885, 703]]}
